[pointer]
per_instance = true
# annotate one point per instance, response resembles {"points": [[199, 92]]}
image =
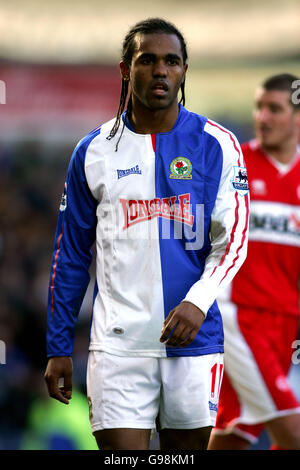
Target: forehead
{"points": [[280, 97], [157, 43]]}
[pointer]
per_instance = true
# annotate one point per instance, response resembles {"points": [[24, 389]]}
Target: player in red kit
{"points": [[261, 308]]}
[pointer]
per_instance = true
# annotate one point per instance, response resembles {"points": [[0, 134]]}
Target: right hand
{"points": [[59, 367]]}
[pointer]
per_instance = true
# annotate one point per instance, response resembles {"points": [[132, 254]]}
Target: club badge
{"points": [[181, 169]]}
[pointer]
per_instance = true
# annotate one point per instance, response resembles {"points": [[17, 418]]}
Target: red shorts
{"points": [[255, 389]]}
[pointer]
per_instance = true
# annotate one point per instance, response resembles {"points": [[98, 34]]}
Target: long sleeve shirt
{"points": [[169, 216]]}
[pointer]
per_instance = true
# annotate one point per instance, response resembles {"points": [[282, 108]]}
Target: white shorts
{"points": [[131, 392], [255, 389]]}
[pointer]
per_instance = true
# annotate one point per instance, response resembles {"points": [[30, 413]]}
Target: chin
{"points": [[265, 141], [158, 106], [269, 144]]}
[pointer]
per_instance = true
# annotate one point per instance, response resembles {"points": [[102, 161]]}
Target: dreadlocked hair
{"points": [[149, 26]]}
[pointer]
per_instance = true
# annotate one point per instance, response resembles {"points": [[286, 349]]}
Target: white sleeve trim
{"points": [[229, 226]]}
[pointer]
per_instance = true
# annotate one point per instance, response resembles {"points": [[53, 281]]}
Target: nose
{"points": [[159, 69], [262, 114]]}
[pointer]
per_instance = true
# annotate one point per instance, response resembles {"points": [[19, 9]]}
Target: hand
{"points": [[59, 367], [187, 319]]}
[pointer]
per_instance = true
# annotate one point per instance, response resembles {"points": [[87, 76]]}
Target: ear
{"points": [[185, 67], [125, 72]]}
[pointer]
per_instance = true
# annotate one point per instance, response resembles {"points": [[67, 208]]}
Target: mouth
{"points": [[160, 88], [264, 130]]}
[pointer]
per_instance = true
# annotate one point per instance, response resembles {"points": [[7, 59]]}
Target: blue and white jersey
{"points": [[169, 215]]}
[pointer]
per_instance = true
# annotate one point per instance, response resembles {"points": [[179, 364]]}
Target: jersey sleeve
{"points": [[72, 256], [228, 227]]}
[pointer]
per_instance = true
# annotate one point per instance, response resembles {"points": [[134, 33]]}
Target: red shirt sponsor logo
{"points": [[171, 208]]}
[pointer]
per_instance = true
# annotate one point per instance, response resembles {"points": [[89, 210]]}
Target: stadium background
{"points": [[59, 65]]}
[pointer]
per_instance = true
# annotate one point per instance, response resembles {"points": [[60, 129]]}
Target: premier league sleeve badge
{"points": [[63, 202], [239, 180]]}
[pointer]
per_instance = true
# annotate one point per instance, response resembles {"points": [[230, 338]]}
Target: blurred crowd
{"points": [[31, 182]]}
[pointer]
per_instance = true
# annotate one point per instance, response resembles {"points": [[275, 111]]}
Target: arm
{"points": [[229, 235], [69, 277]]}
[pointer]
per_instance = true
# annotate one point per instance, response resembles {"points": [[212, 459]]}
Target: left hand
{"points": [[187, 318]]}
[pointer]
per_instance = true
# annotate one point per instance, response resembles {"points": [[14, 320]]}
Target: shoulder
{"points": [[211, 130], [93, 141], [192, 121], [226, 140], [223, 135], [103, 130], [250, 147], [253, 154]]}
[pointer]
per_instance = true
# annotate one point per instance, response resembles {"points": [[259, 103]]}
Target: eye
{"points": [[275, 108], [146, 60], [172, 61], [257, 106]]}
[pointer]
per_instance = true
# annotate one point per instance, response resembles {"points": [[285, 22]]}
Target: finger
{"points": [[177, 336], [167, 330], [54, 390], [169, 317], [185, 336], [67, 387], [189, 339], [66, 393], [167, 323]]}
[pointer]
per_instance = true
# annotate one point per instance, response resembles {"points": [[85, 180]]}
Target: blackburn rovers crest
{"points": [[181, 169], [240, 180]]}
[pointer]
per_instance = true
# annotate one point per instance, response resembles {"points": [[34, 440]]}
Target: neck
{"points": [[149, 121], [282, 153]]}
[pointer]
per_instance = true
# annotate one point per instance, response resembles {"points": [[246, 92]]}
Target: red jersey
{"points": [[269, 278]]}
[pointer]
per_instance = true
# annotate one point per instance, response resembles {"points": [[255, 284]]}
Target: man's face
{"points": [[275, 120], [156, 71]]}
